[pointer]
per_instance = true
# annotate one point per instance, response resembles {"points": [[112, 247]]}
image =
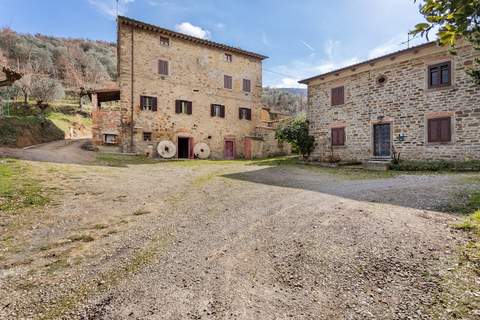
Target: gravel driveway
{"points": [[232, 241]]}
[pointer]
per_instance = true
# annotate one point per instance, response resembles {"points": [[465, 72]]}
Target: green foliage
{"points": [[454, 19], [296, 132], [18, 190], [437, 165]]}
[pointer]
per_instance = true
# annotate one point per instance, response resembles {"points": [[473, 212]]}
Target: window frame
{"points": [[245, 81], [439, 139], [335, 143], [439, 66], [163, 42], [246, 115], [114, 140], [333, 96], [183, 107], [148, 103], [225, 77], [228, 57], [167, 64], [147, 136], [214, 107]]}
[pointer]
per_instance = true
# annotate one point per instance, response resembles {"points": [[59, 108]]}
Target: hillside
{"points": [[73, 63], [62, 65]]}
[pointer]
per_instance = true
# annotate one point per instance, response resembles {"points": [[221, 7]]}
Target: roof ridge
{"points": [[127, 20]]}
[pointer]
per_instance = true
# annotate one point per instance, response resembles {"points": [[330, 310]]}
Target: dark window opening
{"points": [[228, 57], [439, 130], [217, 110], [110, 138], [338, 96], [147, 136], [148, 103], [164, 41], [439, 75], [245, 114], [338, 136], [227, 82], [246, 85], [182, 106]]}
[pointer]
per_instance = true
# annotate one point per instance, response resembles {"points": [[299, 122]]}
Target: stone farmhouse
{"points": [[186, 91], [418, 102]]}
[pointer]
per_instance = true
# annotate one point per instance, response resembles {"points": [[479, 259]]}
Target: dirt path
{"points": [[63, 151], [234, 241]]}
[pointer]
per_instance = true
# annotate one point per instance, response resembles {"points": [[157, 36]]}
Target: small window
{"points": [[217, 110], [338, 96], [164, 41], [182, 106], [110, 138], [228, 57], [163, 67], [338, 136], [147, 136], [245, 114], [246, 85], [148, 103], [439, 75], [439, 130], [227, 82]]}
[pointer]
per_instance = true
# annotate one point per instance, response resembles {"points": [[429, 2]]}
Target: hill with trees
{"points": [[51, 65], [287, 100]]}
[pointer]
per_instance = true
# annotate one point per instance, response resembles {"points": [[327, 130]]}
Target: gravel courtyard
{"points": [[232, 240]]}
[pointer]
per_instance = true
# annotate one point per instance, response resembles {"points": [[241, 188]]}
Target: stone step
{"points": [[377, 165]]}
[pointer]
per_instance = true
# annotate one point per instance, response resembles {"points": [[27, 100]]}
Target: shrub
{"points": [[296, 133], [437, 165]]}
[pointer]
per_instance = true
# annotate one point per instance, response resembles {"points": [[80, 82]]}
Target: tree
{"points": [[453, 19], [296, 132], [45, 89]]}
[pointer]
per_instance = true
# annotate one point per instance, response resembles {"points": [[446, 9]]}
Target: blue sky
{"points": [[302, 37]]}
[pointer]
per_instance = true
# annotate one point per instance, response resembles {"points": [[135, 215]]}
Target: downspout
{"points": [[131, 100]]}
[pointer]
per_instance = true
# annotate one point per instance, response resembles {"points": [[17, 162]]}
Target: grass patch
{"points": [[65, 121], [18, 189], [81, 237], [465, 203], [471, 224], [122, 160]]}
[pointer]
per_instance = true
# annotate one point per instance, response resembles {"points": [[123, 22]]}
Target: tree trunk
{"points": [[25, 98]]}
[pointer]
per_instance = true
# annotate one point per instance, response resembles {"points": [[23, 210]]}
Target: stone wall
{"points": [[196, 73], [404, 101], [105, 122]]}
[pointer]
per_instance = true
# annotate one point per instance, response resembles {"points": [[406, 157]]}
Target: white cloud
{"points": [[109, 7], [329, 48], [190, 29]]}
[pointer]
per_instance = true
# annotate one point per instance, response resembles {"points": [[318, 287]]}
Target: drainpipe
{"points": [[131, 100]]}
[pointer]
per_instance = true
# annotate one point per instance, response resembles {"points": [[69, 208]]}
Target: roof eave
{"points": [[126, 20]]}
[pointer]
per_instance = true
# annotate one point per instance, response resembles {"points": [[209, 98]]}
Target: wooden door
{"points": [[248, 148], [381, 140], [229, 149]]}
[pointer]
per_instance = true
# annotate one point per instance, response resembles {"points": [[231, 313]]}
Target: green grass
{"points": [[18, 189], [438, 165], [122, 160], [64, 121], [465, 203]]}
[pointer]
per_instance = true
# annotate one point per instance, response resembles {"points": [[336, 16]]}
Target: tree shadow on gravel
{"points": [[429, 192]]}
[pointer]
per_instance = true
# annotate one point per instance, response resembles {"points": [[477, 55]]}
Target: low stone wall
{"points": [[106, 122], [264, 144]]}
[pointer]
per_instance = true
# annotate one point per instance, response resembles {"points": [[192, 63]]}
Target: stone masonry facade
{"points": [[196, 73], [395, 90]]}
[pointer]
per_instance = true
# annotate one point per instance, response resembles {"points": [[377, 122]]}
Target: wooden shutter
{"points": [[338, 136], [338, 96], [163, 67], [142, 102], [154, 103], [249, 114], [212, 110], [189, 107], [246, 85], [227, 82], [445, 130], [222, 111], [178, 106], [240, 113]]}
